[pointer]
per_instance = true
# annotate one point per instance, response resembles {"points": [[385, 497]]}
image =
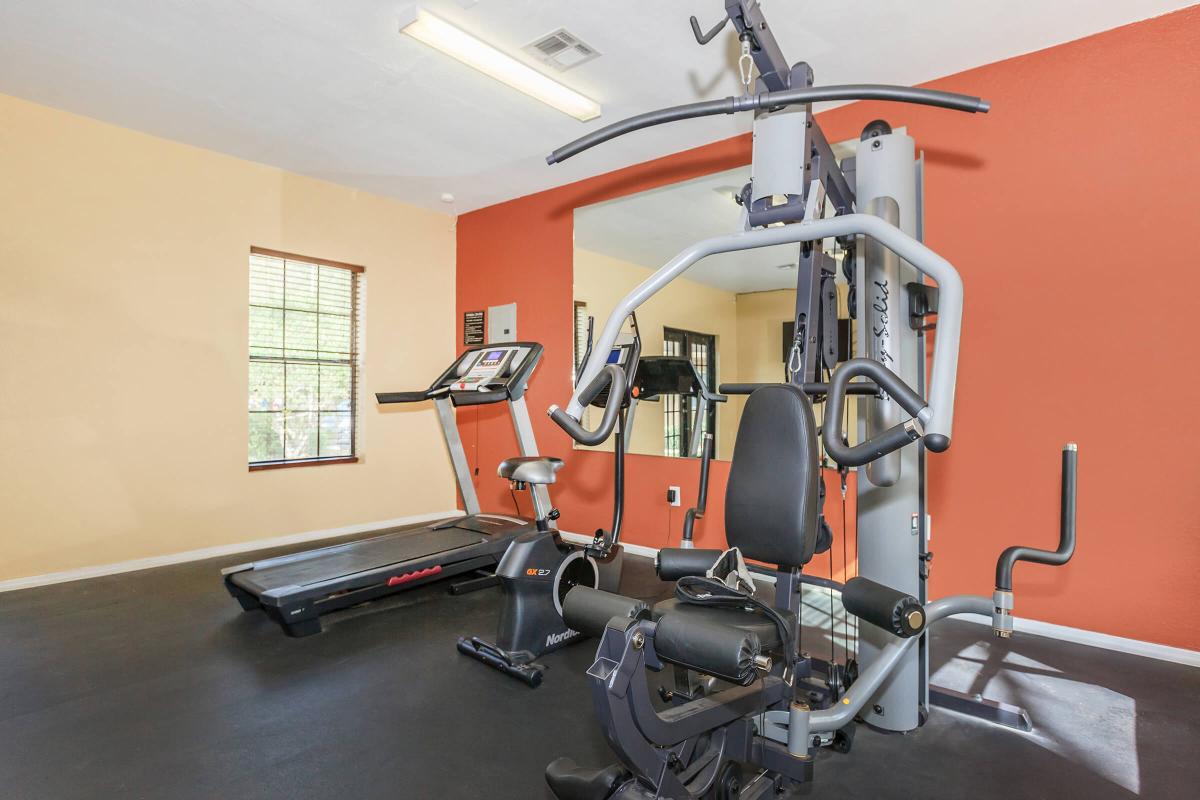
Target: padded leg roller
{"points": [[589, 610], [673, 563], [884, 607], [718, 650], [569, 781]]}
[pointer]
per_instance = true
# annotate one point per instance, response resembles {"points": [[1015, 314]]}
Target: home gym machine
{"points": [[295, 590], [539, 568], [749, 696]]}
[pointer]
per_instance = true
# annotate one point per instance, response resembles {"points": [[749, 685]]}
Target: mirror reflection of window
{"points": [[679, 413], [581, 332]]}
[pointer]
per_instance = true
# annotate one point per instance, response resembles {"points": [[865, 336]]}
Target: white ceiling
{"points": [[328, 88]]}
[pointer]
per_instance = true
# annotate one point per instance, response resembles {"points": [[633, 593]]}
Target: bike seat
{"points": [[538, 470], [569, 781]]}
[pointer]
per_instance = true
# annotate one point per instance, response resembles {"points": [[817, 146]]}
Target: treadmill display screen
{"points": [[615, 356], [493, 356]]}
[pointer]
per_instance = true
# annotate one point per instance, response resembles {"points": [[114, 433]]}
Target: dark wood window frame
{"points": [[680, 342], [355, 287], [579, 336]]}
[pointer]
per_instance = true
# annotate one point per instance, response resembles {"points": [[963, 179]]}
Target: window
{"points": [[581, 332], [303, 359], [679, 413]]}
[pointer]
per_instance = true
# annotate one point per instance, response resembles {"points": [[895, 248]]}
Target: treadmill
{"points": [[673, 375], [295, 590]]}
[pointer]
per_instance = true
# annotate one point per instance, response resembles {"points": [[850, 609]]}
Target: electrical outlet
{"points": [[673, 495]]}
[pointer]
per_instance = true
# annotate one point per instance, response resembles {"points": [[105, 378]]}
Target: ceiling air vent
{"points": [[561, 50]]}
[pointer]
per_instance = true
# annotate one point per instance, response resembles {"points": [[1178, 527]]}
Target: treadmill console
{"points": [[498, 368], [488, 374], [487, 368]]}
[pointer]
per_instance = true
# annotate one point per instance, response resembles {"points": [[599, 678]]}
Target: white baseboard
{"points": [[1161, 652], [215, 552], [633, 549], [1105, 641]]}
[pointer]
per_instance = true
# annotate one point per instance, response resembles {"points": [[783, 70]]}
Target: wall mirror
{"points": [[730, 314]]}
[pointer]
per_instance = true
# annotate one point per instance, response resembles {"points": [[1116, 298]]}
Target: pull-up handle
{"points": [[762, 100], [894, 437], [613, 377]]}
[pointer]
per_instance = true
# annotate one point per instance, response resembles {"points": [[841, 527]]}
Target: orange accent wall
{"points": [[1068, 211]]}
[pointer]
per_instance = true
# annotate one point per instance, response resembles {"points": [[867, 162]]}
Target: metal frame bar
{"points": [[938, 415], [458, 456], [518, 409], [870, 679], [980, 707]]}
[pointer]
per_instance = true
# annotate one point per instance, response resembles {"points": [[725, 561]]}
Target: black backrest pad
{"points": [[771, 498]]}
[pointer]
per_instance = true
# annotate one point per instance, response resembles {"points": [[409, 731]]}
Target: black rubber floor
{"points": [[155, 685]]}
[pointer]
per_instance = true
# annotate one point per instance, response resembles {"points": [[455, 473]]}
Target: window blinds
{"points": [[303, 358], [581, 332]]}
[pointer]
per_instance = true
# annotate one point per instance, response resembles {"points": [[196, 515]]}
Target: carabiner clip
{"points": [[746, 65], [794, 362]]}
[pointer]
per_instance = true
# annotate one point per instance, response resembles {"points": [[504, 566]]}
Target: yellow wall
{"points": [[601, 281], [760, 318], [123, 337]]}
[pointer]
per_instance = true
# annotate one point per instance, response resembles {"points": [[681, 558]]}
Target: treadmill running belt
{"points": [[361, 556]]}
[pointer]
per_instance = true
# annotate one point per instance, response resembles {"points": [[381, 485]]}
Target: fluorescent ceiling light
{"points": [[441, 35]]}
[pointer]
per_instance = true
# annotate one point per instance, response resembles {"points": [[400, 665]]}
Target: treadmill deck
{"points": [[374, 553]]}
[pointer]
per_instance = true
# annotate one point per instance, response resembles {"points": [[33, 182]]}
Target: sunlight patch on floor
{"points": [[1093, 726]]}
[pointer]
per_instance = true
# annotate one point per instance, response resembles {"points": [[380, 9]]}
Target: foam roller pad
{"points": [[883, 606], [589, 610], [674, 563], [717, 650]]}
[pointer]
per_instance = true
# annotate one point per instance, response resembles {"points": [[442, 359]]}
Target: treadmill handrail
{"points": [[384, 398]]}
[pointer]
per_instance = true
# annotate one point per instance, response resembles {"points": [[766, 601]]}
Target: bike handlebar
{"points": [[787, 97], [611, 376]]}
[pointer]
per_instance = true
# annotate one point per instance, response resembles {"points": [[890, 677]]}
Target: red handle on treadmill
{"points": [[397, 580]]}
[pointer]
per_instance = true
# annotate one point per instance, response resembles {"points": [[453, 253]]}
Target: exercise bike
{"points": [[540, 568]]}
